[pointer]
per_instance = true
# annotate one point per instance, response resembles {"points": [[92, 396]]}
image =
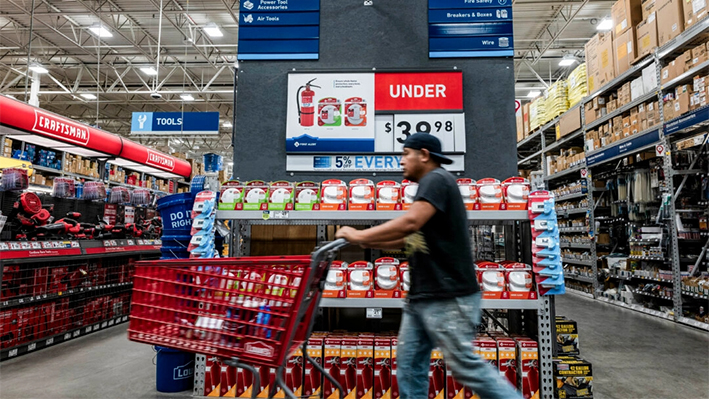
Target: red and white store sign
{"points": [[418, 91], [24, 117]]}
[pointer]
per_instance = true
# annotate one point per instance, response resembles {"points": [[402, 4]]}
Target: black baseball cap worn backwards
{"points": [[420, 141]]}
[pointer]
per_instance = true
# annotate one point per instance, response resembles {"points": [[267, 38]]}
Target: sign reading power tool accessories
{"points": [[279, 30], [347, 121], [470, 28]]}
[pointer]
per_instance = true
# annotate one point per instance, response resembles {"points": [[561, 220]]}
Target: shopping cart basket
{"points": [[247, 311]]}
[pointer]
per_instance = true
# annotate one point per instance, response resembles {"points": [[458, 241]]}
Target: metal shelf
{"points": [[637, 308], [341, 216], [683, 38], [565, 172], [574, 291], [640, 257], [695, 295], [572, 212], [571, 196], [64, 294], [620, 110], [564, 140], [390, 303], [687, 76], [588, 263], [637, 292], [688, 122], [575, 245], [635, 69], [622, 148], [583, 279], [532, 137], [657, 280], [529, 158], [582, 229], [693, 323]]}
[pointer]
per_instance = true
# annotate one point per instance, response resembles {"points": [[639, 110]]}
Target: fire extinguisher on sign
{"points": [[306, 107]]}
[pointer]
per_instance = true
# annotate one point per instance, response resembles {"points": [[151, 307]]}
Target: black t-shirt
{"points": [[443, 268]]}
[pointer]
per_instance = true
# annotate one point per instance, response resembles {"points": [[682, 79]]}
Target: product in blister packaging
{"points": [[256, 195], [388, 196], [307, 196], [516, 193], [231, 196], [119, 195], [491, 276], [336, 280], [280, 196], [360, 283], [94, 190], [520, 280], [404, 277], [362, 195], [334, 195], [541, 205], [64, 187], [140, 197], [490, 196], [542, 225], [386, 279], [14, 179], [204, 203], [408, 193], [469, 193], [203, 220]]}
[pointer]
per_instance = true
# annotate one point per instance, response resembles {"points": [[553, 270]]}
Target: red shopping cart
{"points": [[247, 311]]}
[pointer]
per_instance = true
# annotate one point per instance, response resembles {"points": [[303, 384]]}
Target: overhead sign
{"points": [[163, 123], [695, 117], [634, 144], [470, 28], [365, 113], [279, 30]]}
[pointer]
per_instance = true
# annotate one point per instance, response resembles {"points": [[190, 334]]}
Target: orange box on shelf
{"points": [[336, 280], [490, 196], [365, 367], [506, 359], [516, 192], [388, 196], [362, 195], [312, 381], [332, 363], [386, 280], [520, 280], [382, 368], [360, 283], [408, 193], [491, 276], [469, 192], [348, 366], [437, 375], [333, 196]]}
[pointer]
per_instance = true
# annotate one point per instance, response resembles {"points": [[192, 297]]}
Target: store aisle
{"points": [[637, 356], [101, 365]]}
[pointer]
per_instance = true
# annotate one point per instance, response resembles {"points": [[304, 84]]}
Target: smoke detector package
{"points": [[404, 278], [520, 280], [336, 280], [362, 195], [516, 193], [256, 195], [231, 196], [360, 282], [388, 196], [333, 195], [489, 194], [386, 278], [469, 193], [408, 193], [491, 277], [280, 196], [307, 196]]}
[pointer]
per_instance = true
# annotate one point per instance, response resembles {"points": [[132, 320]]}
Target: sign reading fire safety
{"points": [[363, 116]]}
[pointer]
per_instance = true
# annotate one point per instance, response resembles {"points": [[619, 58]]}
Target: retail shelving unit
{"points": [[680, 167], [55, 291], [517, 246]]}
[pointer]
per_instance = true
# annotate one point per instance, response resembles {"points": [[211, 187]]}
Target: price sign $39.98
{"points": [[402, 126]]}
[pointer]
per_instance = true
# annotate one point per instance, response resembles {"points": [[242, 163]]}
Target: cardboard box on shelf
{"points": [[525, 116], [683, 62], [670, 20], [626, 15], [647, 36], [694, 11], [648, 7], [625, 51], [592, 62], [569, 122], [606, 59], [573, 378], [668, 73], [699, 55], [682, 101], [637, 88], [520, 127]]}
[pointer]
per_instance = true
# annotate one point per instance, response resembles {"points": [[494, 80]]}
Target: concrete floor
{"points": [[634, 357]]}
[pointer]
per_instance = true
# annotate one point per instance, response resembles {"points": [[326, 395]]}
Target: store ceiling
{"points": [[191, 61]]}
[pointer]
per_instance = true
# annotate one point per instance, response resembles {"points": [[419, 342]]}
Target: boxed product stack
{"points": [[573, 375], [577, 84], [537, 113], [557, 100], [7, 148]]}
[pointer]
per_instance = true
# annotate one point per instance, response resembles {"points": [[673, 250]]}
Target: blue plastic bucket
{"points": [[197, 184], [175, 247], [176, 211], [174, 254], [212, 162], [174, 371]]}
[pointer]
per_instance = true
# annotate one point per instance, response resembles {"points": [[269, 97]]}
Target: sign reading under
{"points": [[163, 123]]}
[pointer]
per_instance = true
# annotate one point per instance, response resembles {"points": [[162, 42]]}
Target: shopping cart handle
{"points": [[332, 246]]}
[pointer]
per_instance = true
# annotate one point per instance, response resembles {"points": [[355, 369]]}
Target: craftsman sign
{"points": [[65, 129], [160, 160]]}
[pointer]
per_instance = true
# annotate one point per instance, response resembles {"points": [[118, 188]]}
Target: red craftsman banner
{"points": [[418, 91], [27, 118]]}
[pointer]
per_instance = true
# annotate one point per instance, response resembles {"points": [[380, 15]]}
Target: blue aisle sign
{"points": [[163, 123], [695, 117], [622, 148], [279, 30], [470, 28]]}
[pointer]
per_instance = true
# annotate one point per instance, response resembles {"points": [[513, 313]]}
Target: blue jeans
{"points": [[448, 324]]}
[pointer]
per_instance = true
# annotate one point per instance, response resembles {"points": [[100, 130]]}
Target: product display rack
{"points": [[663, 137], [517, 246], [55, 291]]}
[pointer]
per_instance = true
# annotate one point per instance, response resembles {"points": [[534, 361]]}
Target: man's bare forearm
{"points": [[395, 244]]}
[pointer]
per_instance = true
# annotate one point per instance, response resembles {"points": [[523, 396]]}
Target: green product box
{"points": [[231, 196], [256, 196], [307, 196], [280, 196]]}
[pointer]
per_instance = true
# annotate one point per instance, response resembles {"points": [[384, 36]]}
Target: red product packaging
{"points": [[490, 196], [469, 193], [293, 374], [382, 368], [212, 377], [56, 283], [39, 283], [26, 324], [486, 348], [528, 367], [348, 366], [362, 195], [332, 362], [8, 326], [333, 195], [336, 280], [312, 383], [388, 196], [507, 359], [520, 280], [516, 193], [360, 282], [386, 280], [436, 375], [538, 203], [365, 367], [268, 378], [394, 382], [491, 276], [408, 193]]}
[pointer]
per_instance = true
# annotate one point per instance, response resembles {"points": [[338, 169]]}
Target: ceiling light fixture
{"points": [[35, 67], [186, 97], [149, 71], [568, 60], [534, 94], [605, 24], [213, 30], [88, 96], [99, 30]]}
